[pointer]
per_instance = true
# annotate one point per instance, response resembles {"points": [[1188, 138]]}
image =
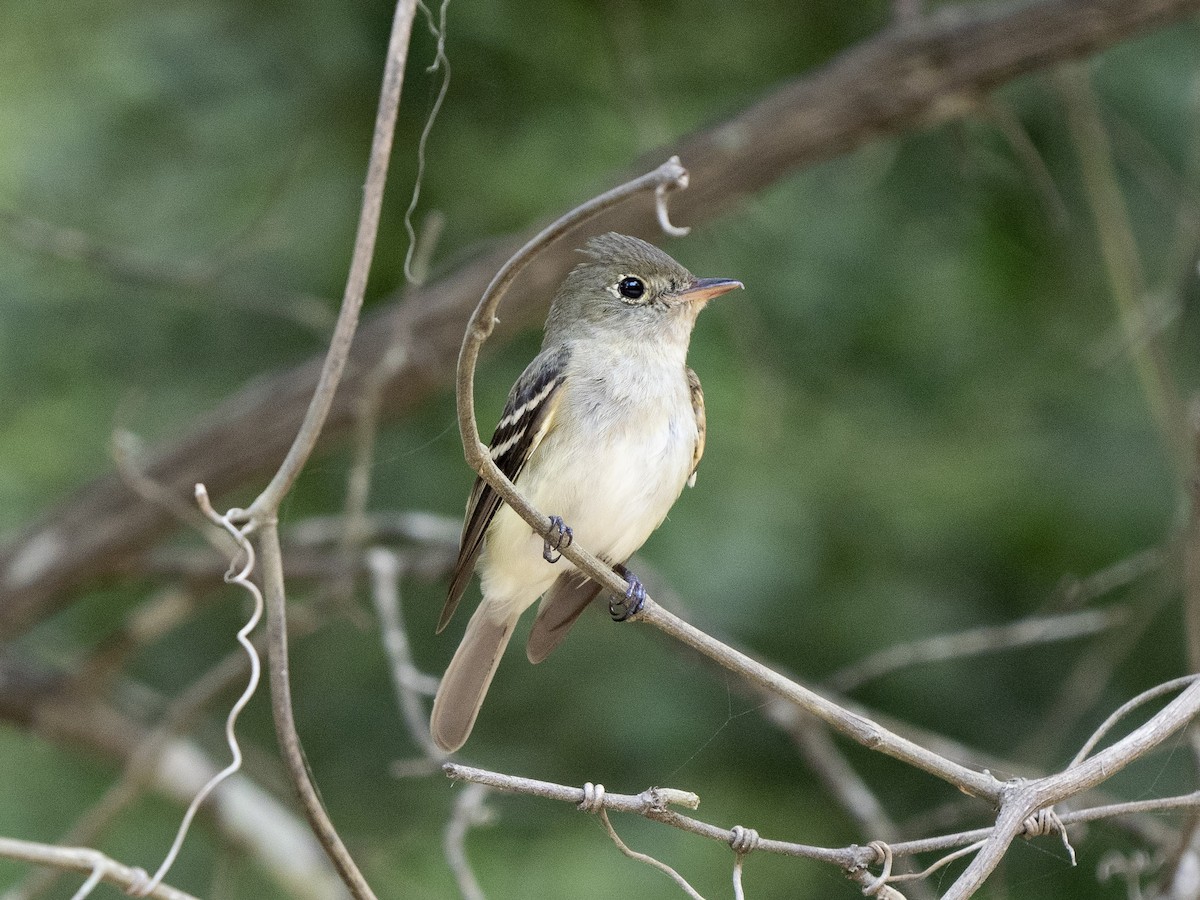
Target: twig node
{"points": [[140, 885], [743, 840], [1045, 822], [593, 798]]}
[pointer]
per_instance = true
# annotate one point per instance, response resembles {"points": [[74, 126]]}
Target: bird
{"points": [[602, 431]]}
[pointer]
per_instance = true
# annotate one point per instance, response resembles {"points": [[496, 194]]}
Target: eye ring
{"points": [[631, 287]]}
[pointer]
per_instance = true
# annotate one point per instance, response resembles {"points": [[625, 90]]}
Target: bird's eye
{"points": [[631, 288]]}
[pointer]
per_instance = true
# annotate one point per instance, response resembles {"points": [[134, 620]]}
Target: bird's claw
{"points": [[633, 601], [560, 536]]}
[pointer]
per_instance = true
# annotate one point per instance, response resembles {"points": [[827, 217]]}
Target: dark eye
{"points": [[631, 288]]}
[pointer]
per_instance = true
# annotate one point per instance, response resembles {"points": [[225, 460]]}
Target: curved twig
{"points": [[638, 856], [240, 577]]}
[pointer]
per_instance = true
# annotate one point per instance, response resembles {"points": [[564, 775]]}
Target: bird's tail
{"points": [[467, 678]]}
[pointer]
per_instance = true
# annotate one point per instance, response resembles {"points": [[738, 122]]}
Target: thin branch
{"points": [[242, 813], [470, 811], [81, 859], [208, 272], [856, 727], [1084, 683], [848, 788], [647, 859], [975, 642], [313, 549], [1020, 800], [1129, 706], [1001, 114], [290, 747], [406, 678], [367, 416], [413, 272], [1075, 592], [238, 577], [945, 842], [140, 767], [127, 453], [653, 804]]}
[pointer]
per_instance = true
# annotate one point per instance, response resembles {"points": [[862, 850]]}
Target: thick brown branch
{"points": [[922, 72]]}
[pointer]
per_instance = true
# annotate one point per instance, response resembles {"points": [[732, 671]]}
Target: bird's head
{"points": [[628, 285]]}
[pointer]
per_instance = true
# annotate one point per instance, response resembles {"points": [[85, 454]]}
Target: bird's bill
{"points": [[704, 289]]}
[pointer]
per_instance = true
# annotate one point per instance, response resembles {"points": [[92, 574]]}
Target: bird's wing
{"points": [[701, 424], [528, 416]]}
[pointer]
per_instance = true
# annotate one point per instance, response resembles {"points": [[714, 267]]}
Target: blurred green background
{"points": [[924, 414]]}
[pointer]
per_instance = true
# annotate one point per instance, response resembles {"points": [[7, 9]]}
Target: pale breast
{"points": [[629, 454], [612, 466]]}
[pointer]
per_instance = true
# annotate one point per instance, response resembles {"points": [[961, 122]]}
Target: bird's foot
{"points": [[633, 601], [560, 536]]}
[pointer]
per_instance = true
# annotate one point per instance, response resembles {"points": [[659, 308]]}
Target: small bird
{"points": [[601, 431]]}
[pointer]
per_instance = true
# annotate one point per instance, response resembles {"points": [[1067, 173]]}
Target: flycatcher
{"points": [[601, 432]]}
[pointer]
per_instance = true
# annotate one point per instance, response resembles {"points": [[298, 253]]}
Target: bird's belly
{"points": [[612, 492], [615, 496]]}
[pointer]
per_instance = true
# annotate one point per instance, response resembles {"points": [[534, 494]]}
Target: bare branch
{"points": [[406, 678], [290, 747], [848, 788], [1125, 708], [653, 803], [469, 812], [96, 864], [854, 860], [207, 273], [645, 858], [855, 727], [241, 811], [263, 512], [977, 641]]}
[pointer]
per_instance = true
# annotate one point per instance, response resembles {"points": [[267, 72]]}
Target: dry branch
{"points": [[921, 72], [96, 864]]}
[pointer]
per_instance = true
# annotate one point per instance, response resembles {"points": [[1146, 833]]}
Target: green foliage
{"points": [[916, 420]]}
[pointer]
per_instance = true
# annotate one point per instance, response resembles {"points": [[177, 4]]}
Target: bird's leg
{"points": [[560, 536], [635, 597]]}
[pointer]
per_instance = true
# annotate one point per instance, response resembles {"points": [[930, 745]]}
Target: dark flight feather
{"points": [[526, 419]]}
